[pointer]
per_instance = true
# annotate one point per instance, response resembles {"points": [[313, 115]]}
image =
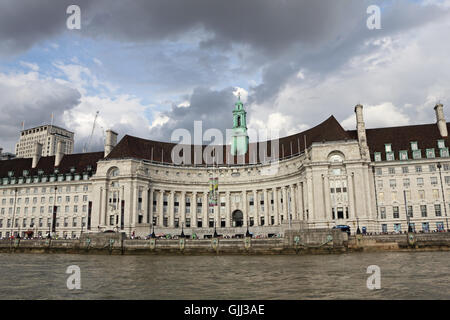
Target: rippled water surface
{"points": [[423, 275]]}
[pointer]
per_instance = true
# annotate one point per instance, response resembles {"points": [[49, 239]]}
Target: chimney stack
{"points": [[440, 120], [37, 154], [59, 152], [361, 130], [110, 141]]}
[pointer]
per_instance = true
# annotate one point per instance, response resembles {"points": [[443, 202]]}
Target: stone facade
{"points": [[343, 181]]}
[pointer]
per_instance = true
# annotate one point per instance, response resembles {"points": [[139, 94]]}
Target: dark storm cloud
{"points": [[26, 22], [211, 107]]}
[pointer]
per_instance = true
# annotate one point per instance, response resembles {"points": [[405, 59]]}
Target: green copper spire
{"points": [[239, 137]]}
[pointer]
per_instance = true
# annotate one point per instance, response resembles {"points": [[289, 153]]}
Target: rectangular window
{"points": [[437, 210], [423, 210], [383, 212], [406, 183], [394, 195], [378, 171], [410, 211], [418, 169], [432, 167], [391, 170], [395, 212], [387, 147], [403, 155], [414, 145], [435, 194], [430, 153], [380, 184], [433, 181], [419, 182], [381, 196], [393, 183], [377, 156], [422, 194], [405, 169]]}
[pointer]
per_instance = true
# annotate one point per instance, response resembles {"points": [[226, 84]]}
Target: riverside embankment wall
{"points": [[294, 242]]}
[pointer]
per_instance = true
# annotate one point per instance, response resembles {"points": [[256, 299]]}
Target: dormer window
{"points": [[56, 171], [72, 170], [444, 152], [430, 153], [387, 147], [89, 168], [377, 156], [403, 155], [390, 156], [40, 172], [25, 173], [441, 144], [10, 173], [417, 154], [414, 145]]}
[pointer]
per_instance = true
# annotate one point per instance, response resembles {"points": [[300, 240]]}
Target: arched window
{"points": [[238, 121], [113, 172]]}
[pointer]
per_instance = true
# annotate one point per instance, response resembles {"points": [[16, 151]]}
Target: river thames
{"points": [[419, 275]]}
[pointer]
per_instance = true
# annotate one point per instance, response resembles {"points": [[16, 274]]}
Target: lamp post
{"points": [[54, 212], [182, 230], [407, 213], [443, 196], [247, 234]]}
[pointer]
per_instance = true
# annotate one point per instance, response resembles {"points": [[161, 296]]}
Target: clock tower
{"points": [[239, 137]]}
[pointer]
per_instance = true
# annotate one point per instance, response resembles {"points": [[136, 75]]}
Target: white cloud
{"points": [[382, 115], [32, 66], [242, 92]]}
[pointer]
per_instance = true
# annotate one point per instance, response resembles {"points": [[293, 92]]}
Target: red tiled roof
{"points": [[400, 138], [133, 147], [79, 161]]}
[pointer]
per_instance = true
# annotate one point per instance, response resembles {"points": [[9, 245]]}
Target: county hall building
{"points": [[368, 179]]}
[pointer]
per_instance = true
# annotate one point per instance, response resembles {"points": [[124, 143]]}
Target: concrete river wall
{"points": [[295, 242]]}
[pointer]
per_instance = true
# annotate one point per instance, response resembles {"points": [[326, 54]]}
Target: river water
{"points": [[419, 275]]}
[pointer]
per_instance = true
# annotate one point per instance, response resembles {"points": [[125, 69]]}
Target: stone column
{"points": [[351, 202], [160, 205], [275, 206], [300, 200], [182, 208], [285, 203], [194, 210], [256, 207], [245, 206], [326, 194], [310, 198], [228, 209], [266, 208], [145, 213], [293, 202], [205, 210], [150, 206], [217, 208], [171, 209]]}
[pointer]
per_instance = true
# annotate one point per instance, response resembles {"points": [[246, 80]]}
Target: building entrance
{"points": [[238, 218]]}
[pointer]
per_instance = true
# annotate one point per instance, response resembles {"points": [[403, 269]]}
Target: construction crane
{"points": [[88, 143]]}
